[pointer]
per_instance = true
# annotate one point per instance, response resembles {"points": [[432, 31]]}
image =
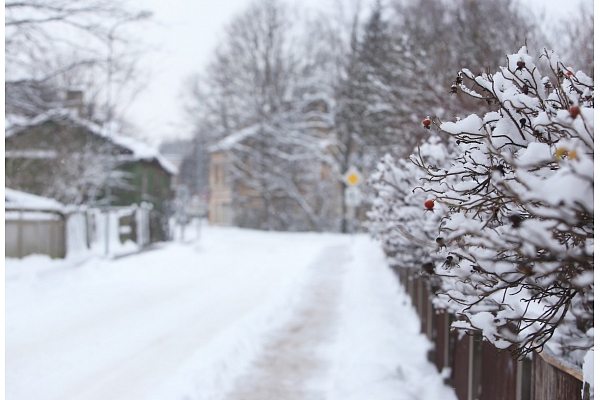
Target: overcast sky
{"points": [[184, 36]]}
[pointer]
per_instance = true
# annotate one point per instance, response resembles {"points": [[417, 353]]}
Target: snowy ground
{"points": [[239, 315]]}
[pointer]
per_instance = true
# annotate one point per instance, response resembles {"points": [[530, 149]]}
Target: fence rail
{"points": [[55, 233], [478, 370]]}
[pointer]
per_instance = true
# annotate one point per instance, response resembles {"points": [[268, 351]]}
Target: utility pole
{"points": [[107, 125], [107, 133], [199, 171]]}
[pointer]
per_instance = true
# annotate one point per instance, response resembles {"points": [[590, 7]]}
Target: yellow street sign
{"points": [[352, 177]]}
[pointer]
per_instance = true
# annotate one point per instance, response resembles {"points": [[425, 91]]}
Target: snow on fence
{"points": [[129, 229], [38, 225], [34, 232], [477, 370]]}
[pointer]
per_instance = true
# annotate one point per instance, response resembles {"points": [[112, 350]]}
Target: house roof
{"points": [[140, 150], [14, 199], [229, 141]]}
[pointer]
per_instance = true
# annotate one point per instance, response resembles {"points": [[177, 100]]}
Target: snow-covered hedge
{"points": [[509, 235], [398, 217]]}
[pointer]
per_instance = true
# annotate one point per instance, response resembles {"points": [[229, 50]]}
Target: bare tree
{"points": [[51, 47], [462, 34], [575, 38], [259, 102]]}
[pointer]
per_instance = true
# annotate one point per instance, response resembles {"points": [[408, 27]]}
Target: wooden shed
{"points": [[33, 225]]}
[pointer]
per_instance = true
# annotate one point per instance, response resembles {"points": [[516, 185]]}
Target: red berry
{"points": [[574, 111], [429, 204], [569, 73], [520, 64], [426, 122]]}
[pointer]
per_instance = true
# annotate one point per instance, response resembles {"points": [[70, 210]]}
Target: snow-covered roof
{"points": [[233, 139], [140, 150], [143, 151], [15, 199]]}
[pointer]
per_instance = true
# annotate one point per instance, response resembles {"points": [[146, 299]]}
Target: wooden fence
{"points": [[478, 370], [46, 231], [28, 232]]}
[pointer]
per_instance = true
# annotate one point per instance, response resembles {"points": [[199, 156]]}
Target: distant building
{"points": [[176, 152], [220, 206], [234, 202], [57, 154]]}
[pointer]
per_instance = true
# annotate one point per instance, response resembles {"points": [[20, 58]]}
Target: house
{"points": [[59, 155], [238, 196], [222, 186], [220, 191]]}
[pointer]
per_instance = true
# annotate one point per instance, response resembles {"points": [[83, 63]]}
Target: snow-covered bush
{"points": [[516, 240], [398, 217]]}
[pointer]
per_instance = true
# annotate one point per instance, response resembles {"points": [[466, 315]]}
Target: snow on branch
{"points": [[501, 218]]}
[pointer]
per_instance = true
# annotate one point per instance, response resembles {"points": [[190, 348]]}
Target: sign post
{"points": [[197, 208], [352, 193]]}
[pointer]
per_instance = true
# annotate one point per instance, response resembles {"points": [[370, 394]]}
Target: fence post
{"points": [[523, 379], [430, 311], [62, 223], [470, 370], [20, 235], [447, 339], [552, 379]]}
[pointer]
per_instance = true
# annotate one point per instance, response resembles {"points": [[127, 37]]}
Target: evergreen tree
{"points": [[380, 65]]}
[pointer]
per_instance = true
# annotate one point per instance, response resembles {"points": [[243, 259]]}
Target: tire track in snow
{"points": [[128, 371], [126, 378], [291, 360]]}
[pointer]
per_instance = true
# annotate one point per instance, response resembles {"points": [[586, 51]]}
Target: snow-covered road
{"points": [[239, 315], [291, 362]]}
